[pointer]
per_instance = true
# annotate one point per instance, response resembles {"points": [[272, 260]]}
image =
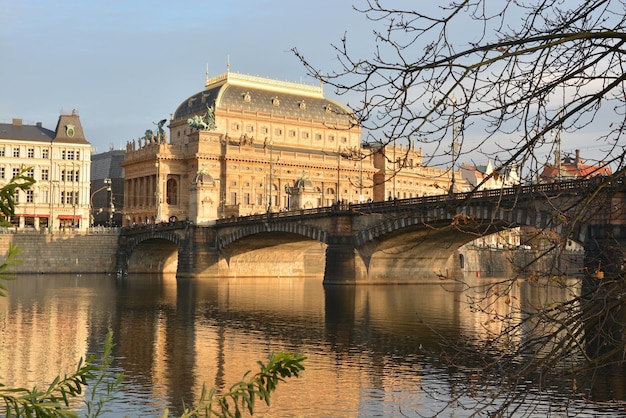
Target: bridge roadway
{"points": [[400, 241]]}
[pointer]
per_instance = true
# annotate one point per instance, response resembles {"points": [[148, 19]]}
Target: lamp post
{"points": [[74, 195], [453, 146], [107, 181], [360, 176], [269, 194], [157, 193], [338, 194], [111, 206]]}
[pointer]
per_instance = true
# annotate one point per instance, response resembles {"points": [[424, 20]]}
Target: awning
{"points": [[69, 217], [31, 215]]}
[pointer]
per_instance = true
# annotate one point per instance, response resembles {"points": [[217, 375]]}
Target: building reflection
{"points": [[44, 331], [367, 346]]}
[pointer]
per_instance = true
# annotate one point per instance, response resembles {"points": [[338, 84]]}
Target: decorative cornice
{"points": [[255, 81]]}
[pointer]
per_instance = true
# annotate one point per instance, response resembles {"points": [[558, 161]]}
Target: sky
{"points": [[126, 64]]}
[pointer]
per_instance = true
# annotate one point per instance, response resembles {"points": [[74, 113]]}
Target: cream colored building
{"points": [[484, 177], [59, 161], [247, 145]]}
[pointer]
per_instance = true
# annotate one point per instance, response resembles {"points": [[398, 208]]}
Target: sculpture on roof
{"points": [[160, 130], [204, 123]]}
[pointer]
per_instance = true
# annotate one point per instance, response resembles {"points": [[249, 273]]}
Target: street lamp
{"points": [[454, 146], [157, 193], [271, 185], [74, 194], [360, 177], [107, 181]]}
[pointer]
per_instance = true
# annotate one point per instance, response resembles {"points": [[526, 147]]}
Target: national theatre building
{"points": [[247, 145]]}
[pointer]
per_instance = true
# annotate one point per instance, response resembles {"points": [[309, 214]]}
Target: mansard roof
{"points": [[68, 130], [264, 96], [16, 130]]}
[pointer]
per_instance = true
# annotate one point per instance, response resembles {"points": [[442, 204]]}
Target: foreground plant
{"points": [[243, 394], [56, 400]]}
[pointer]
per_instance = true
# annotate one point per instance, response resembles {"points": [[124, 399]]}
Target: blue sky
{"points": [[127, 64]]}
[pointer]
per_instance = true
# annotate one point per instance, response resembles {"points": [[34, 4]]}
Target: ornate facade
{"points": [[59, 161], [247, 145]]}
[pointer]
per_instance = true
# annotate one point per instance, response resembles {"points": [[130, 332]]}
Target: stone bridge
{"points": [[399, 241]]}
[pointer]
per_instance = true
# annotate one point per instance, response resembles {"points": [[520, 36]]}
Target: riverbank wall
{"points": [[80, 253], [489, 262]]}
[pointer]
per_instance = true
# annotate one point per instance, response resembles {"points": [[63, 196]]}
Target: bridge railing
{"points": [[547, 189]]}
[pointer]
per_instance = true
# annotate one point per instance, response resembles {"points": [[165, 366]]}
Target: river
{"points": [[371, 351]]}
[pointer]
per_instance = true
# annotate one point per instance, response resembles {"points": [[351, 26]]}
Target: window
{"points": [[278, 132], [71, 198], [16, 196], [16, 152], [31, 172], [172, 192], [1, 172], [292, 133], [30, 196], [16, 172], [44, 174], [70, 154], [31, 153], [1, 151], [44, 153], [246, 198], [331, 138], [259, 199], [233, 198], [305, 135]]}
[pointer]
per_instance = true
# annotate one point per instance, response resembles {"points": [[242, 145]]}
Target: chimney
{"points": [[39, 124], [577, 160], [17, 122]]}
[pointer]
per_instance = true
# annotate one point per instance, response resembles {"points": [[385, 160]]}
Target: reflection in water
{"points": [[372, 350]]}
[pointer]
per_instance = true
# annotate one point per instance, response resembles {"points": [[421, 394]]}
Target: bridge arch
{"points": [[154, 251], [306, 231]]}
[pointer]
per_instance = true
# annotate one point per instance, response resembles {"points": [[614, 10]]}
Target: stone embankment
{"points": [[62, 252], [509, 263]]}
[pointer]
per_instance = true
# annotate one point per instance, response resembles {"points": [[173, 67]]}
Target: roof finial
{"points": [[206, 74], [228, 64]]}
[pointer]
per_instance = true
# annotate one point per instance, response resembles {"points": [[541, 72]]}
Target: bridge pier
{"points": [[602, 289], [340, 261], [605, 253]]}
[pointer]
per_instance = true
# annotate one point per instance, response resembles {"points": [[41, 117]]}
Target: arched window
{"points": [[172, 192]]}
